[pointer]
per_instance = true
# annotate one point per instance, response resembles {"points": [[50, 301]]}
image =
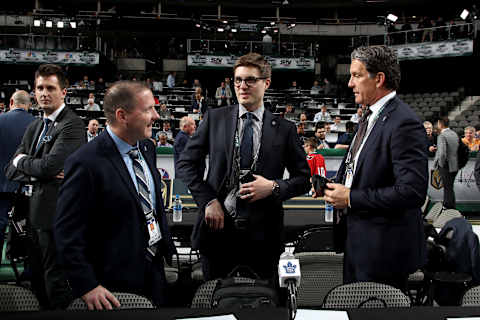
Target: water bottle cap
{"points": [[177, 196]]}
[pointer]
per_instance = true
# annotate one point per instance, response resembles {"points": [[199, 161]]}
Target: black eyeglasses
{"points": [[250, 81]]}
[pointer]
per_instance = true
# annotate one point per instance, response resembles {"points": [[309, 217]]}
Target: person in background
{"points": [[187, 129], [162, 141], [323, 115], [164, 112], [199, 104], [91, 105], [446, 161], [223, 95], [346, 139], [431, 138], [336, 124], [315, 160], [171, 79], [316, 88], [357, 116], [12, 127], [469, 140], [92, 130]]}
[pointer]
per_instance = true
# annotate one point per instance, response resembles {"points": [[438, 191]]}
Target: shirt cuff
{"points": [[348, 201], [17, 158], [210, 202]]}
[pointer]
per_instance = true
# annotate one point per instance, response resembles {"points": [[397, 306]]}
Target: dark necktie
{"points": [[246, 147], [362, 129], [46, 125]]}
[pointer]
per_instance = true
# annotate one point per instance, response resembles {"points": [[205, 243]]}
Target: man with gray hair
{"points": [[187, 129], [12, 127], [382, 182]]}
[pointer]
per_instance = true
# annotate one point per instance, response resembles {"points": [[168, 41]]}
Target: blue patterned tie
{"points": [[246, 147], [46, 122]]}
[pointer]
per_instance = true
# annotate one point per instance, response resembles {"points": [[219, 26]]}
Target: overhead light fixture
{"points": [[220, 29], [414, 17], [292, 25], [275, 30], [197, 25], [391, 17], [73, 24], [225, 21], [464, 14], [272, 23], [37, 23], [264, 31], [285, 3], [234, 30], [49, 24], [60, 24]]}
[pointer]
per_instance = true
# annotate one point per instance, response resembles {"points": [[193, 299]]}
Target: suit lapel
{"points": [[231, 121], [268, 134], [376, 132], [110, 151], [36, 134], [52, 130]]}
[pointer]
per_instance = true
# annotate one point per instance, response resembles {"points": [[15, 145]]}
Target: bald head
{"points": [[20, 99]]}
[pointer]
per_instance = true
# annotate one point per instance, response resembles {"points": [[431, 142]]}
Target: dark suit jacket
{"points": [[384, 225], [279, 150], [477, 170], [180, 141], [12, 127], [100, 228], [67, 135]]}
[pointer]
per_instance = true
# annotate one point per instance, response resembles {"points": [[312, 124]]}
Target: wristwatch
{"points": [[275, 189]]}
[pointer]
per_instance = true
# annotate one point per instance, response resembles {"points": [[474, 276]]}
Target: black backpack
{"points": [[238, 292], [463, 153]]}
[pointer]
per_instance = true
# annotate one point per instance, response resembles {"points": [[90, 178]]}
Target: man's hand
{"points": [[99, 299], [60, 175], [432, 148], [258, 189], [214, 215], [337, 195]]}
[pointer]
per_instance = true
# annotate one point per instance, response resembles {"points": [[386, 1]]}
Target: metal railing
{"points": [[227, 47], [40, 42], [443, 33]]}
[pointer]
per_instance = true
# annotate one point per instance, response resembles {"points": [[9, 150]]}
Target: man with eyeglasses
{"points": [[240, 221]]}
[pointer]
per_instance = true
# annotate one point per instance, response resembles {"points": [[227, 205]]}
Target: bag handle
{"points": [[361, 304], [246, 268]]}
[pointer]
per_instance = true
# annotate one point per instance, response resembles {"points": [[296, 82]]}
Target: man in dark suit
{"points": [[111, 230], [240, 202], [187, 129], [39, 162], [382, 182], [12, 128]]}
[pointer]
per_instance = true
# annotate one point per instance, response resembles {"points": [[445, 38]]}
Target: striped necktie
{"points": [[40, 141], [143, 189]]}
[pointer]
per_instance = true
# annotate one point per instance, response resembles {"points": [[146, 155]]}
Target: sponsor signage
{"points": [[434, 50], [59, 57], [210, 61]]}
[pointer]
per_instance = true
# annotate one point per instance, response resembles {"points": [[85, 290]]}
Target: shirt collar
{"points": [[122, 146], [380, 103], [258, 113], [55, 114]]}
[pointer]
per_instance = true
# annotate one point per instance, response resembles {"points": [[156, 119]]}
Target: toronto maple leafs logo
{"points": [[290, 267]]}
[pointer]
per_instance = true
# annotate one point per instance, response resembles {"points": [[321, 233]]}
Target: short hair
{"points": [[469, 128], [312, 142], [444, 121], [254, 60], [122, 94], [162, 133], [427, 124], [319, 124], [47, 70], [380, 59], [184, 121], [92, 120], [349, 126], [21, 97]]}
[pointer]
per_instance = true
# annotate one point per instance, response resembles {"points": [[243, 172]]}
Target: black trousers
{"points": [[156, 282], [48, 278], [448, 179]]}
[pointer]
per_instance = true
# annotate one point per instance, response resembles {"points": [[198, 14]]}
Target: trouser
{"points": [[156, 282], [448, 179], [49, 282], [5, 206]]}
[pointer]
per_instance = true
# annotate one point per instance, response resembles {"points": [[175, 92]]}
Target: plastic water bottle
{"points": [[328, 212], [177, 209]]}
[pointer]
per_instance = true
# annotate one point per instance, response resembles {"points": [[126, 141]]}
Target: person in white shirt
{"points": [[92, 106], [171, 79], [323, 115], [336, 124], [162, 140], [357, 116]]}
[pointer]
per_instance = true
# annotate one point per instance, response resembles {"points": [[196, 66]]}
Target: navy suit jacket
{"points": [[384, 229], [100, 228], [12, 127], [280, 149]]}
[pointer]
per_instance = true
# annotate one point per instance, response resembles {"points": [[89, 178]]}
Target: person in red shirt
{"points": [[315, 160]]}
